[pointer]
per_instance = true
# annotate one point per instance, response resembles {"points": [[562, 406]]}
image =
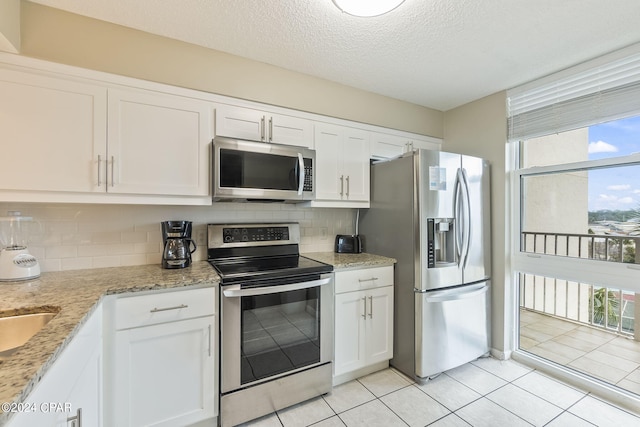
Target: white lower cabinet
{"points": [[164, 359], [70, 392], [363, 320]]}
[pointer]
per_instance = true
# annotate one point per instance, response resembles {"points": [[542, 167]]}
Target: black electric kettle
{"points": [[176, 237]]}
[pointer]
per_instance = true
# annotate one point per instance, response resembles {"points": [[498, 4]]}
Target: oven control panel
{"points": [[243, 235], [257, 234]]}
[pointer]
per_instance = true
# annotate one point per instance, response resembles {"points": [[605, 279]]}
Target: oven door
{"points": [[248, 170], [272, 330]]}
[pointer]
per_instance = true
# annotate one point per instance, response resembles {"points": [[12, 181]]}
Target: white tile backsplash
{"points": [[78, 236]]}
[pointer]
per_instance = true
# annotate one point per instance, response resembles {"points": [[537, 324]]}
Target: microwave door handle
{"points": [[300, 174], [230, 293]]}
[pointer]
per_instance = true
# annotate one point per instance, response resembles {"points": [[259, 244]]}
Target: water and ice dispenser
{"points": [[440, 242]]}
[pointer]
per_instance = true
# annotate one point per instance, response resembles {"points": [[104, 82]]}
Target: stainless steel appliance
{"points": [[178, 245], [276, 324], [258, 171], [430, 211]]}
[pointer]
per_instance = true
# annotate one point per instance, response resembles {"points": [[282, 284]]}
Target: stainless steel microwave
{"points": [[259, 171]]}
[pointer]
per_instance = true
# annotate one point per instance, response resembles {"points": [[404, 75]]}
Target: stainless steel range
{"points": [[276, 324]]}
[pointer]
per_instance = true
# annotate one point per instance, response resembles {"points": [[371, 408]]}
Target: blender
{"points": [[16, 263]]}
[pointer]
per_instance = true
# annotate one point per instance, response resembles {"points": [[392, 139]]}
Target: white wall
{"points": [[480, 129], [78, 236]]}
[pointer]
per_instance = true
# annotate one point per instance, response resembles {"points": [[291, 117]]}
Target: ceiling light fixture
{"points": [[367, 8]]}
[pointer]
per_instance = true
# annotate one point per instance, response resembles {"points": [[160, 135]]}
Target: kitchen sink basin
{"points": [[16, 330]]}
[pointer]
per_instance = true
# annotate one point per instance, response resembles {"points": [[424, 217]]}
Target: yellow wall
{"points": [[63, 37]]}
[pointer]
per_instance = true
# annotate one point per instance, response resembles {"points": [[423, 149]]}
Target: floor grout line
{"points": [[481, 395]]}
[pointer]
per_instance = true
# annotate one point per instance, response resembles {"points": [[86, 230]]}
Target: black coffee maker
{"points": [[176, 237]]}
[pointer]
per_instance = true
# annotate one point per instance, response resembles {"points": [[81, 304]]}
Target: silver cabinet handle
{"points": [[341, 185], [270, 129], [177, 307], [262, 129], [209, 340], [347, 186], [76, 421], [368, 280], [113, 179], [371, 307], [364, 307], [99, 161]]}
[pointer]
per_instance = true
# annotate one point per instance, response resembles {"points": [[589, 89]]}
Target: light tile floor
{"points": [[601, 354], [486, 392]]}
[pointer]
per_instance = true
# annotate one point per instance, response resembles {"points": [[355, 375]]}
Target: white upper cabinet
{"points": [[72, 140], [342, 166], [53, 133], [158, 144], [71, 135], [386, 146], [257, 125]]}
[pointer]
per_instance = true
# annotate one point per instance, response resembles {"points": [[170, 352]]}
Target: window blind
{"points": [[598, 91]]}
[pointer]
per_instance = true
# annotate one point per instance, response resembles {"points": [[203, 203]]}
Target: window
{"points": [[576, 216]]}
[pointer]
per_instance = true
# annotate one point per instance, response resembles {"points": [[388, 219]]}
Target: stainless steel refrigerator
{"points": [[430, 210]]}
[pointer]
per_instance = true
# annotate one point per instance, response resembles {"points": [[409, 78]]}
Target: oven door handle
{"points": [[233, 293]]}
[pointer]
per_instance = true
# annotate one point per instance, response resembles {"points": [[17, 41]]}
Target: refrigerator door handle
{"points": [[467, 215], [457, 211], [455, 294]]}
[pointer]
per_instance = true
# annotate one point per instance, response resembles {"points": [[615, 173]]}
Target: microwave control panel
{"points": [[308, 175]]}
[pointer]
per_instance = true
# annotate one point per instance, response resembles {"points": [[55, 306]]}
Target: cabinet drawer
{"points": [[365, 278], [163, 307]]}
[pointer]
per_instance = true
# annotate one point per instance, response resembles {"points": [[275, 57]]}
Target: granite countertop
{"points": [[348, 261], [74, 295]]}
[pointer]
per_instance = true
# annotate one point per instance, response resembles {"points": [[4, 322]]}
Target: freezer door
{"points": [[452, 328], [476, 259], [438, 191]]}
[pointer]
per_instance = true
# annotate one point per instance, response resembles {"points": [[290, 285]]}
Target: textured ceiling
{"points": [[436, 53]]}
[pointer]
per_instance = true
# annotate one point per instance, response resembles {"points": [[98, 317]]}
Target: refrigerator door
{"points": [[438, 192], [452, 327], [476, 258]]}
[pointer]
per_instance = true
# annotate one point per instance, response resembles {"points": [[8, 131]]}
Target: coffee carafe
{"points": [[176, 236]]}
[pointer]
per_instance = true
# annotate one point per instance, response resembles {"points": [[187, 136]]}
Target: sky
{"points": [[614, 188]]}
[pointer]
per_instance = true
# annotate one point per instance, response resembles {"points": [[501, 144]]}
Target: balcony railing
{"points": [[606, 308]]}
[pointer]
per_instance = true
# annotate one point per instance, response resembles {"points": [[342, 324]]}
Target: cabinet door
{"points": [[355, 165], [86, 395], [73, 381], [53, 132], [379, 324], [158, 144], [164, 374], [241, 123], [290, 130], [328, 145], [349, 332], [384, 146], [425, 145]]}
